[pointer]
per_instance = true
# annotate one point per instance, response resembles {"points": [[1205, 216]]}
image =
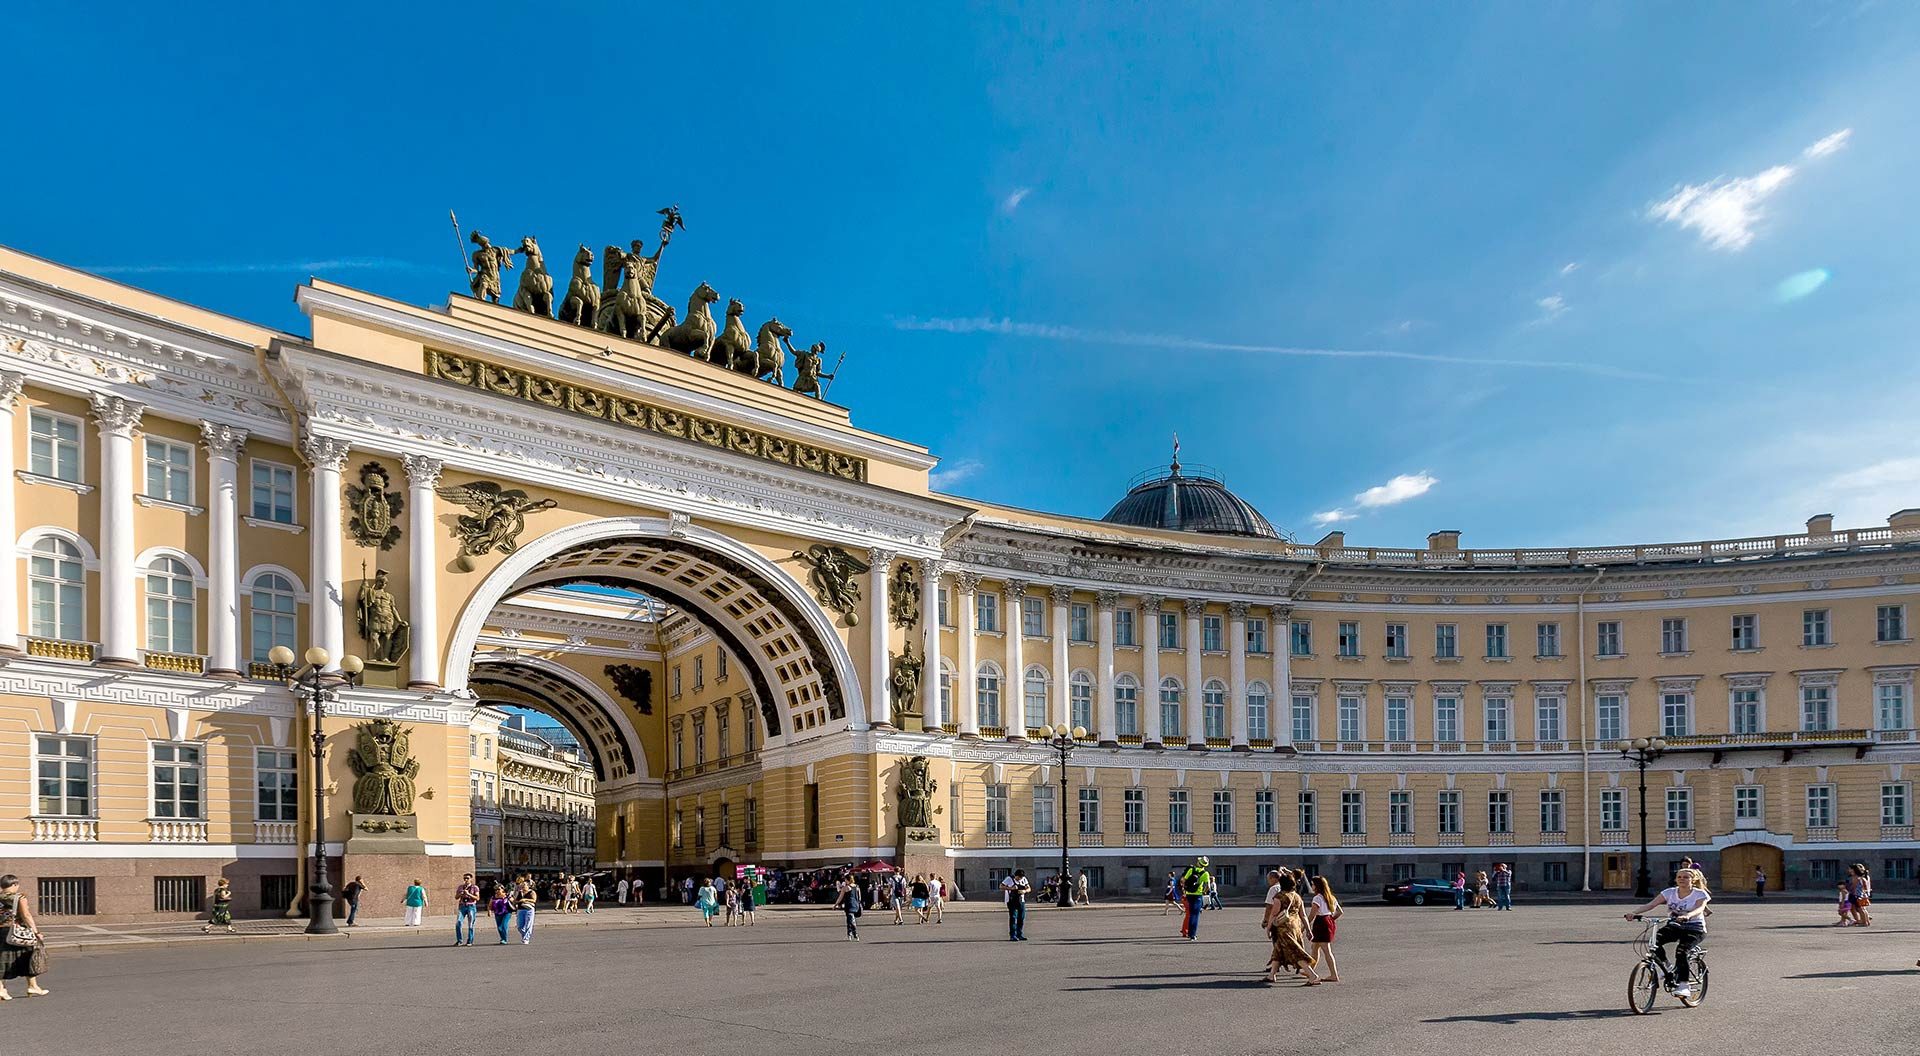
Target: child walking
{"points": [[222, 912]]}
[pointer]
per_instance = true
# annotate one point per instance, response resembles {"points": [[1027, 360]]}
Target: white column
{"points": [[1196, 719], [224, 444], [930, 642], [1015, 717], [1062, 598], [1280, 701], [1103, 678], [1149, 627], [325, 456], [10, 385], [879, 673], [119, 600], [966, 691], [1237, 673], [423, 568]]}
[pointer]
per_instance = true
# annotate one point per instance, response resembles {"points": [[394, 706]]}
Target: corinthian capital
{"points": [[968, 581], [1195, 607], [1107, 599], [116, 415], [324, 452], [880, 559], [1282, 613], [1236, 610], [1062, 595], [222, 440], [11, 382], [422, 471], [1150, 603]]}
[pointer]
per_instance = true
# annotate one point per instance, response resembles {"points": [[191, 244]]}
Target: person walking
{"points": [[220, 913], [559, 892], [1324, 912], [918, 891], [1016, 888], [466, 909], [847, 900], [936, 899], [23, 954], [354, 889], [1285, 921], [1171, 897], [1502, 886], [415, 904], [589, 894], [731, 895], [1082, 885], [1460, 890], [707, 901], [1759, 882], [1860, 889], [746, 903], [620, 892], [1193, 888], [502, 908], [526, 902], [897, 894]]}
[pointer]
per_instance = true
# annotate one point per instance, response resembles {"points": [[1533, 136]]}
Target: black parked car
{"points": [[1418, 892]]}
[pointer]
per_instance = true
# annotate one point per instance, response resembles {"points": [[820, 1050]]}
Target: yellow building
{"points": [[712, 582]]}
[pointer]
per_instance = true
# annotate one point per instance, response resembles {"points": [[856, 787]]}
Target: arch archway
{"points": [[596, 720], [801, 671]]}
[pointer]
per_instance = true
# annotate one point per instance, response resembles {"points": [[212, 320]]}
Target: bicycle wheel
{"points": [[1699, 972], [1643, 987]]}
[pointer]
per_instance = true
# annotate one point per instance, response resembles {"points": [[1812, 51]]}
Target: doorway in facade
{"points": [[1618, 872], [1738, 862]]}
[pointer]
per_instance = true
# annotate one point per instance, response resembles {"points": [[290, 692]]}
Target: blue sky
{"points": [[1548, 274]]}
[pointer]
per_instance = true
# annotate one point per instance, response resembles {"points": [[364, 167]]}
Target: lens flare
{"points": [[1794, 287]]}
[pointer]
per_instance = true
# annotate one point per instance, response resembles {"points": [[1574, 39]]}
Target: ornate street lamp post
{"points": [[1643, 751], [1063, 741], [312, 683]]}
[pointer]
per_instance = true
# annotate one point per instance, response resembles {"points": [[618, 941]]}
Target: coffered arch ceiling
{"points": [[593, 717]]}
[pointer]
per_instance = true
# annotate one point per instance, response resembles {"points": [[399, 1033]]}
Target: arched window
{"points": [[944, 717], [169, 606], [58, 587], [1126, 706], [1170, 708], [1257, 727], [273, 608], [1034, 697], [1213, 708], [987, 687], [1080, 700]]}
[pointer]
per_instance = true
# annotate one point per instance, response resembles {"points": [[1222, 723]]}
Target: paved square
{"points": [[1107, 980]]}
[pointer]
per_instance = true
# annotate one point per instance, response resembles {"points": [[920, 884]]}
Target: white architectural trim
{"points": [[89, 560], [147, 557], [300, 594]]}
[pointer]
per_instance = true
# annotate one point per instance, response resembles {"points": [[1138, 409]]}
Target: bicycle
{"points": [[1652, 974]]}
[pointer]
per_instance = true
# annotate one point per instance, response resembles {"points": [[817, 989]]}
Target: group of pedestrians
{"points": [[924, 896], [1485, 890], [1856, 896], [1301, 920], [733, 898]]}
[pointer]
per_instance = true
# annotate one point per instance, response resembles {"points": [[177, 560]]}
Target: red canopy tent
{"points": [[874, 867]]}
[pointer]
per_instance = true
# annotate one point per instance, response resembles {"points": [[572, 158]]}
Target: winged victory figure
{"points": [[498, 515]]}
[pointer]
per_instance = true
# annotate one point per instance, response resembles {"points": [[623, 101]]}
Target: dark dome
{"points": [[1188, 499]]}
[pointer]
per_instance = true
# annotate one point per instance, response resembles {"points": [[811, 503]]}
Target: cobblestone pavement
{"points": [[1110, 980]]}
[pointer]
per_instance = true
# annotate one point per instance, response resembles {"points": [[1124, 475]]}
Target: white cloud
{"points": [[1551, 307], [954, 473], [1570, 267], [1401, 328], [1013, 200], [1398, 490], [1724, 211], [238, 267], [1326, 517]]}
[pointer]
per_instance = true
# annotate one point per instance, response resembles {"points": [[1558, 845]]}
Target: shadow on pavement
{"points": [[1865, 973], [1241, 983], [1515, 1018], [1584, 942]]}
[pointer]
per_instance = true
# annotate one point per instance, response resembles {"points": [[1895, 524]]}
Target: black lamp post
{"points": [[313, 683], [1643, 751], [1063, 741]]}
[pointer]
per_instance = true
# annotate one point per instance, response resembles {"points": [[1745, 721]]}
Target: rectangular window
{"points": [[1264, 818], [1178, 819], [1301, 636], [1446, 641], [169, 471], [699, 672], [1673, 635], [1080, 701], [1816, 708], [1553, 810], [699, 744], [1676, 714], [1496, 641], [1349, 638], [1553, 872], [1213, 710], [65, 777], [1257, 713], [1896, 869], [1212, 634], [1133, 803], [1123, 632], [1033, 691], [1679, 809], [1746, 631], [720, 665], [1609, 716], [1396, 640], [996, 808], [1891, 623], [1399, 727], [1403, 872], [1893, 805], [1446, 719], [53, 445], [1309, 817], [1080, 620], [1546, 718], [1353, 813], [1043, 809], [722, 728], [1400, 812], [65, 896], [1500, 811], [1613, 810], [1499, 726], [272, 491], [1546, 639], [1813, 627], [986, 612], [946, 618], [1606, 638], [752, 825], [680, 828], [1170, 710], [1819, 806], [1256, 636], [1126, 709], [1303, 718], [1825, 870], [1746, 711], [1747, 803], [1223, 812], [1450, 811], [1350, 711], [987, 696], [176, 781], [1169, 623], [1033, 616], [276, 792], [1890, 705], [1089, 810]]}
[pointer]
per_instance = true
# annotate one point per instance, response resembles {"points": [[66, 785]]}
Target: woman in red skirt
{"points": [[1323, 912]]}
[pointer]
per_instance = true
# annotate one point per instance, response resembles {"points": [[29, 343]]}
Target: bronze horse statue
{"points": [[768, 356], [625, 313], [535, 293], [582, 305], [695, 336], [733, 349]]}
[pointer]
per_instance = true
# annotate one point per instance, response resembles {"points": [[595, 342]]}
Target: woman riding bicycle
{"points": [[1686, 906]]}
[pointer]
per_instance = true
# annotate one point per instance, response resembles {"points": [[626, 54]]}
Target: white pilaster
{"points": [[224, 444], [1062, 598], [879, 677], [1015, 717], [1103, 678], [10, 385], [423, 567], [119, 600], [966, 690], [1237, 674], [325, 456], [930, 642], [1149, 627], [1280, 700], [1196, 719]]}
